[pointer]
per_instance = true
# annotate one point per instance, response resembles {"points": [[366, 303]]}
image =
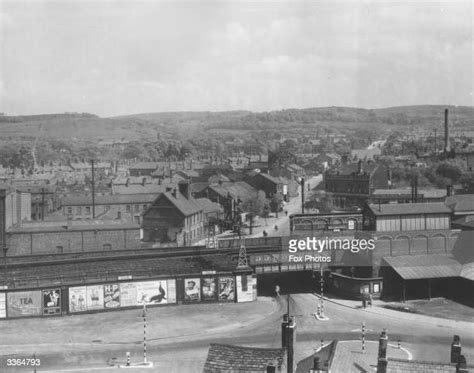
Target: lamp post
{"points": [[302, 194], [5, 250]]}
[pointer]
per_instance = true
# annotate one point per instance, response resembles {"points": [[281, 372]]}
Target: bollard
{"points": [[318, 312], [399, 344], [363, 337], [128, 359], [322, 343]]}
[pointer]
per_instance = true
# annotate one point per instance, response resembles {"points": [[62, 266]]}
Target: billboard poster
{"points": [[24, 303], [52, 302], [128, 294], [3, 305], [244, 288], [152, 292], [226, 288], [95, 297], [111, 296], [77, 299], [171, 291], [192, 292], [209, 288]]}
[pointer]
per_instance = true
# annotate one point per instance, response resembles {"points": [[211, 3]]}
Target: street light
{"points": [[301, 179], [5, 250]]}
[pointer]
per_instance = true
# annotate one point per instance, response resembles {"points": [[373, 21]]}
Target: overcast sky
{"points": [[112, 58]]}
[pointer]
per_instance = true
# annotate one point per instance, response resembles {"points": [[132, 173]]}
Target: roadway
{"points": [[179, 336]]}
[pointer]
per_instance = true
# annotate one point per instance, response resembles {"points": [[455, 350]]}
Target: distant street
{"points": [[184, 332]]}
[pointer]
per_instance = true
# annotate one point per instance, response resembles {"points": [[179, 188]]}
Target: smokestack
{"points": [[455, 349], [446, 130]]}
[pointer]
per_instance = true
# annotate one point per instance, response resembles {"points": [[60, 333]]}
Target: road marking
{"points": [[410, 356]]}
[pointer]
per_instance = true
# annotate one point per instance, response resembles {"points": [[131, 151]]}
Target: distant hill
{"points": [[146, 126]]}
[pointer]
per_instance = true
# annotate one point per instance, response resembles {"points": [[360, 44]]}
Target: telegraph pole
{"points": [[302, 194], [42, 203], [93, 189]]}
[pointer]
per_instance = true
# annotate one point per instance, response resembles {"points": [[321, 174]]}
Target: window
{"points": [[145, 207], [69, 211], [78, 210], [88, 210], [136, 208], [119, 214], [106, 247], [59, 249], [127, 208], [137, 219]]}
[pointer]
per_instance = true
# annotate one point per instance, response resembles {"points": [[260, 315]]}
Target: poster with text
{"points": [[77, 299], [95, 297], [111, 296], [24, 303], [152, 292], [226, 289], [244, 288], [209, 288], [192, 291], [171, 291], [3, 305], [128, 294], [51, 302]]}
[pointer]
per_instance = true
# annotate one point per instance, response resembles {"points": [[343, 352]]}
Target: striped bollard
{"points": [[399, 344], [322, 291], [363, 337], [144, 331], [322, 343], [318, 312], [128, 359]]}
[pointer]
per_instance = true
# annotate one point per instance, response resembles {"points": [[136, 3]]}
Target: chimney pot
{"points": [[455, 349]]}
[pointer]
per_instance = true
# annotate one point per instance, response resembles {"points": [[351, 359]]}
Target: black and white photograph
{"points": [[221, 186]]}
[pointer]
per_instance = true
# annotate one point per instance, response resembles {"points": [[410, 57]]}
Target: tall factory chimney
{"points": [[446, 131]]}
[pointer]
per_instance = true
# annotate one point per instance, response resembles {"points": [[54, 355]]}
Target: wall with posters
{"points": [[192, 292], [51, 302], [24, 303], [120, 295], [226, 291]]}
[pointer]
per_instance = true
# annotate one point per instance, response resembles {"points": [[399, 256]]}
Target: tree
{"points": [[275, 203], [449, 171], [254, 206]]}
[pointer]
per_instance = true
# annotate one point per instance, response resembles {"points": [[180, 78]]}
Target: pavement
{"points": [[378, 308]]}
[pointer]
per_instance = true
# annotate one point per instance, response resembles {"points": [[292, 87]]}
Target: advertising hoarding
{"points": [[24, 303], [3, 305], [244, 285], [152, 292], [171, 291], [128, 294], [51, 302], [77, 299], [226, 289], [192, 291], [95, 297], [111, 296], [209, 288]]}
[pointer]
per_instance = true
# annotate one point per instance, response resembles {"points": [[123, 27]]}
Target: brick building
{"points": [[270, 185], [178, 218], [41, 239], [353, 183], [128, 207]]}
